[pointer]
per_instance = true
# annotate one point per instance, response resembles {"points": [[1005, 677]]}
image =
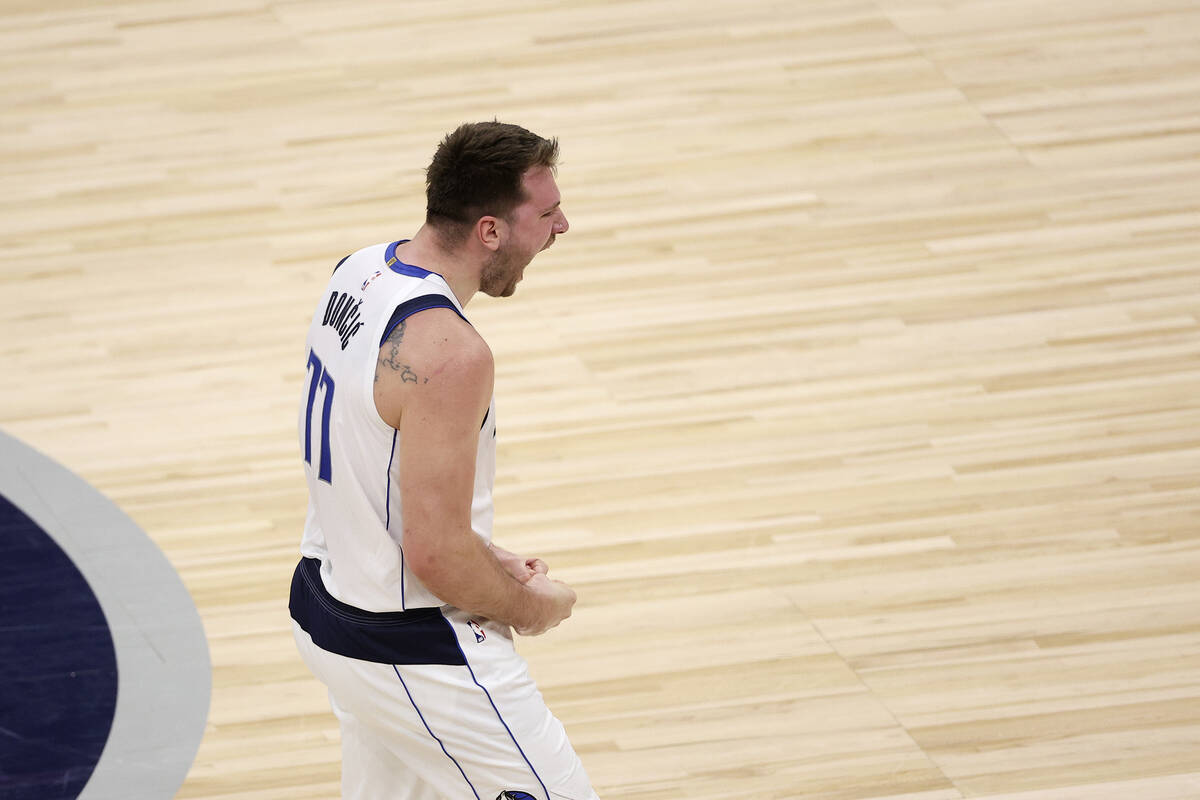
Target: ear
{"points": [[490, 231]]}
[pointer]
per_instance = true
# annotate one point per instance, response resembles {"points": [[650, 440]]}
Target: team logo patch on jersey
{"points": [[476, 629], [515, 796], [370, 280]]}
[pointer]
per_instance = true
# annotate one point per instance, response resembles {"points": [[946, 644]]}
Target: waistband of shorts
{"points": [[415, 636]]}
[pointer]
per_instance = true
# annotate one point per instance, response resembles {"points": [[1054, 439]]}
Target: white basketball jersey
{"points": [[354, 525]]}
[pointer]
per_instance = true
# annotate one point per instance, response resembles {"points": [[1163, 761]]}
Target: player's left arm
{"points": [[520, 567]]}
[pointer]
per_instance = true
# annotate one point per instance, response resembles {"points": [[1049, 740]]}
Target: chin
{"points": [[499, 291]]}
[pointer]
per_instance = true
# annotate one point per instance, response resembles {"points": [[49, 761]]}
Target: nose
{"points": [[561, 225]]}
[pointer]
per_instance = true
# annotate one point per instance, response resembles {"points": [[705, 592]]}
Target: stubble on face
{"points": [[504, 267], [500, 274]]}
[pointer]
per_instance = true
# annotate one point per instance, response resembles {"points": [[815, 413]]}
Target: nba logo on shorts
{"points": [[515, 796], [478, 631]]}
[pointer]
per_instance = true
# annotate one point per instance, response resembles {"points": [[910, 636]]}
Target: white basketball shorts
{"points": [[478, 730]]}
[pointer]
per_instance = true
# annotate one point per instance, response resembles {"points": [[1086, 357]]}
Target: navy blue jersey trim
{"points": [[410, 307], [343, 261], [387, 525], [416, 636]]}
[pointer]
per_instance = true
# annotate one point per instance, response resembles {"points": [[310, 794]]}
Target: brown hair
{"points": [[477, 170]]}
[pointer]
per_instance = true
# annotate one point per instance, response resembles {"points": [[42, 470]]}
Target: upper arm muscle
{"points": [[434, 383]]}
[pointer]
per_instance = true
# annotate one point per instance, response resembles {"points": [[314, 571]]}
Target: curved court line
{"points": [[164, 677]]}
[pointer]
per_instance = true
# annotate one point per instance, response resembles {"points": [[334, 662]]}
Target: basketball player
{"points": [[400, 604]]}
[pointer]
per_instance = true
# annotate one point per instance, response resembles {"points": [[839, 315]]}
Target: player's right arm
{"points": [[434, 384]]}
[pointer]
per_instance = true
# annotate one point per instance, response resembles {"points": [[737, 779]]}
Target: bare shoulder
{"points": [[433, 356]]}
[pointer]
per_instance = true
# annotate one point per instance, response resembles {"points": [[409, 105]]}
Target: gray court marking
{"points": [[164, 678]]}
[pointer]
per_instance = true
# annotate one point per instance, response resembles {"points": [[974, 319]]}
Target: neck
{"points": [[425, 250]]}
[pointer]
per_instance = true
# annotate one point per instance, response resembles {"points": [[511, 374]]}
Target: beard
{"points": [[501, 272], [504, 268]]}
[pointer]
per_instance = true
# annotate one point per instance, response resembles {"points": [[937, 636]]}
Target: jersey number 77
{"points": [[321, 380]]}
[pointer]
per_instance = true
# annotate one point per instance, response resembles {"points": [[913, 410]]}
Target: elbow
{"points": [[435, 563], [424, 563]]}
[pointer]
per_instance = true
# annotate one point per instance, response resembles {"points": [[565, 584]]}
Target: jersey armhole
{"points": [[410, 307]]}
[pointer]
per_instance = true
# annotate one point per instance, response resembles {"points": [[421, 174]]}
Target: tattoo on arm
{"points": [[389, 357]]}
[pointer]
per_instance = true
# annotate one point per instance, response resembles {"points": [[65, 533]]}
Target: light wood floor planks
{"points": [[859, 404]]}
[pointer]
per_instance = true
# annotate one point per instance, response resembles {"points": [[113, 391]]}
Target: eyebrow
{"points": [[551, 208]]}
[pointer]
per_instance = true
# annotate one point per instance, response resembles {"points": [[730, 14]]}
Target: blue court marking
{"points": [[434, 735], [163, 672], [58, 668]]}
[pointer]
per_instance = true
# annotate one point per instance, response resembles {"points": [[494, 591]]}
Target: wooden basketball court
{"points": [[860, 404]]}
